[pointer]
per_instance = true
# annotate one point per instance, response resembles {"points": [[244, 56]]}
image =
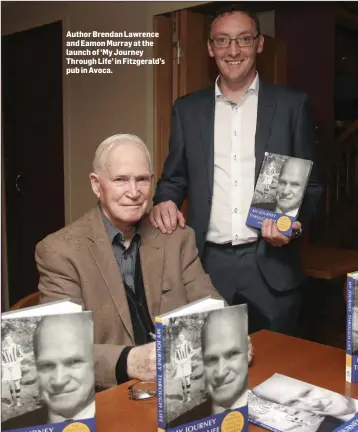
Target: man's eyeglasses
{"points": [[241, 41], [142, 390]]}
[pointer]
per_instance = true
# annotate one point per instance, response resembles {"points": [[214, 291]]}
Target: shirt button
{"points": [[235, 210], [236, 237], [235, 157], [125, 257], [235, 133], [235, 183]]}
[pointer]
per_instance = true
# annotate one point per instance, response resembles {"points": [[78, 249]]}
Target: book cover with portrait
{"points": [[282, 403], [47, 369], [202, 368], [279, 191], [352, 328]]}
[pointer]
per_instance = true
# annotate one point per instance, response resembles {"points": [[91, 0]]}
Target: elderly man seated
{"points": [[115, 263]]}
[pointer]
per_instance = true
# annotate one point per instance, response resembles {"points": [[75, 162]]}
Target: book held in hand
{"points": [[47, 369], [282, 403], [279, 191], [352, 328], [202, 368]]}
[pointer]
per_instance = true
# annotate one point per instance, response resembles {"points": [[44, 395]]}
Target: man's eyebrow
{"points": [[243, 33]]}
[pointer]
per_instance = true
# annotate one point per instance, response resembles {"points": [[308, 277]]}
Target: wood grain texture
{"points": [[308, 361], [328, 263]]}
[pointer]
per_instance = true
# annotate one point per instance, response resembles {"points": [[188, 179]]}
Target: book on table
{"points": [[202, 368], [47, 369], [282, 403]]}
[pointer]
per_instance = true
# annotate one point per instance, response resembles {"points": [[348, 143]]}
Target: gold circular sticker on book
{"points": [[76, 427], [283, 223], [233, 422]]}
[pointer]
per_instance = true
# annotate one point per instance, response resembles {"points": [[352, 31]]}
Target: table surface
{"points": [[307, 361], [328, 263]]}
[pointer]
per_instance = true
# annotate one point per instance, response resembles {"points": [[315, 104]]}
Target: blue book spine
{"points": [[351, 350], [160, 355]]}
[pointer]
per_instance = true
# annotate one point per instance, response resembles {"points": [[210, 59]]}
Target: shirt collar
{"points": [[254, 87], [240, 402], [87, 412], [290, 213], [112, 231]]}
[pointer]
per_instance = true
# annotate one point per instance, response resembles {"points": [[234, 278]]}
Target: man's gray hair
{"points": [[112, 142], [74, 318]]}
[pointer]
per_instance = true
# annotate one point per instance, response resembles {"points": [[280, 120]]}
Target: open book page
{"points": [[53, 308]]}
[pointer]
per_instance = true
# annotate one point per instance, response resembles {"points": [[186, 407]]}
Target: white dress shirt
{"points": [[87, 412], [234, 167]]}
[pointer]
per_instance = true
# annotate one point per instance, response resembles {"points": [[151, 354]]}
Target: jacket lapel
{"points": [[207, 120], [104, 257], [265, 112], [152, 261]]}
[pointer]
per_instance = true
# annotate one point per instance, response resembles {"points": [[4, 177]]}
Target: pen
{"points": [[152, 335]]}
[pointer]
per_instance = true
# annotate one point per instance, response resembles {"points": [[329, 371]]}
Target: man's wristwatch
{"points": [[297, 234]]}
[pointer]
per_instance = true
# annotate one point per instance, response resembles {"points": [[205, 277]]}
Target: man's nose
{"points": [[315, 403], [234, 49], [132, 188], [60, 377], [220, 370], [286, 190]]}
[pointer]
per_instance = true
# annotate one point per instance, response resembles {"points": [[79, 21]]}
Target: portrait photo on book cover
{"points": [[47, 370], [206, 364], [281, 184], [289, 404]]}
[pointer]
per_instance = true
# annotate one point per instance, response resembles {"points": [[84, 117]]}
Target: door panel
{"points": [[33, 148]]}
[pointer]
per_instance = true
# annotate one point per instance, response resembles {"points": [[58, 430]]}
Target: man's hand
{"points": [[141, 362], [166, 217], [272, 235]]}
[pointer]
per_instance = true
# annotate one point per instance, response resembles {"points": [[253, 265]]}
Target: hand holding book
{"points": [[272, 234]]}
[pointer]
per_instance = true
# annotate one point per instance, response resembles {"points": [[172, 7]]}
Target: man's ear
{"points": [[95, 184], [260, 45], [210, 50]]}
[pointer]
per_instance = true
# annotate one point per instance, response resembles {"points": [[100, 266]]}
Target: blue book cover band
{"points": [[86, 425]]}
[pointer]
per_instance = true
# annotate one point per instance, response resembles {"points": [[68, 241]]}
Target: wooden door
{"points": [[33, 148], [272, 63]]}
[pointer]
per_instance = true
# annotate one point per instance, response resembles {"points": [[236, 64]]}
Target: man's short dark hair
{"points": [[231, 8]]}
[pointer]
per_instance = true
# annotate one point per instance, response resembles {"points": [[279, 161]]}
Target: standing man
{"points": [[217, 145], [11, 358]]}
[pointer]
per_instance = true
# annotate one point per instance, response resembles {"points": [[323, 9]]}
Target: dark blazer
{"points": [[271, 206], [284, 126], [36, 417], [329, 424]]}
